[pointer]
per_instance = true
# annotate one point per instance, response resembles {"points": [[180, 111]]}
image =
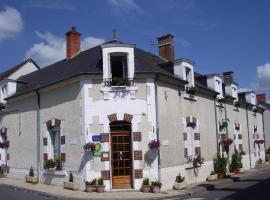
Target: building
{"points": [[122, 98]]}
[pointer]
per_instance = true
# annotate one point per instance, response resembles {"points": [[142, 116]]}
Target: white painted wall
{"points": [[215, 83], [180, 68]]}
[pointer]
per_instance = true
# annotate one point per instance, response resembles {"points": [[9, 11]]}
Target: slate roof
{"points": [[8, 72]]}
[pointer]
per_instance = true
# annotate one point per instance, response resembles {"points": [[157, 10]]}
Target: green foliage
{"points": [[31, 172], [1, 171], [192, 90], [146, 181], [156, 183], [100, 181], [236, 161], [71, 177], [179, 179], [92, 183], [220, 164]]}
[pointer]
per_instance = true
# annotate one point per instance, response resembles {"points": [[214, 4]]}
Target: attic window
{"points": [[218, 82], [119, 68], [188, 75]]}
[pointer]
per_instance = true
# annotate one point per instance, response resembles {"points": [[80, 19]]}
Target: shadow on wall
{"points": [[86, 158], [150, 156]]}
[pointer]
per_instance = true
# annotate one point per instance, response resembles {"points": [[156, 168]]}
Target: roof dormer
{"points": [[184, 68], [231, 88], [214, 82]]}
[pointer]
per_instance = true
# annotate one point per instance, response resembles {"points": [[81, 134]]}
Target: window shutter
{"points": [[45, 157], [45, 141], [185, 136], [63, 157], [63, 139]]}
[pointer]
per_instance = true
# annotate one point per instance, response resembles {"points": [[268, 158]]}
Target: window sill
{"points": [[55, 172], [190, 97]]}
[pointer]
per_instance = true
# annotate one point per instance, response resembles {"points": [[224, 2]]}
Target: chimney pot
{"points": [[228, 78], [73, 40], [261, 98], [166, 47]]}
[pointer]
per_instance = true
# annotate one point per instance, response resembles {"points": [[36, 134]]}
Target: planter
{"points": [[71, 185], [89, 188], [145, 188], [221, 175], [212, 177], [236, 171], [31, 179], [180, 186], [100, 188], [155, 189]]}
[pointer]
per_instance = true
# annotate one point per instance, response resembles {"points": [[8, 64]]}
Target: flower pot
{"points": [[180, 186], [71, 185], [100, 188], [145, 188], [31, 179], [155, 189], [89, 188], [236, 171], [212, 177], [220, 176]]}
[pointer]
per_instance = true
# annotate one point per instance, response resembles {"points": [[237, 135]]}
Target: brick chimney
{"points": [[73, 39], [228, 78], [166, 47], [261, 98]]}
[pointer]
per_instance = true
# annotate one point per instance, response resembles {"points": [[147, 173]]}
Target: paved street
{"points": [[253, 187]]}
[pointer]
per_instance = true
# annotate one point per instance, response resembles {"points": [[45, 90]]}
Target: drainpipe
{"points": [[227, 133], [215, 108], [38, 135], [157, 126], [248, 136]]}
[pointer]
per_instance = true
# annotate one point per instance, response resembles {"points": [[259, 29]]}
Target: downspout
{"points": [[215, 108], [248, 136], [157, 126], [38, 135]]}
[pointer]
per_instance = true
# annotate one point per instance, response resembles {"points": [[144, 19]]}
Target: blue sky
{"points": [[218, 35]]}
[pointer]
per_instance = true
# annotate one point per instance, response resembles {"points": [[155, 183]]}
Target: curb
{"points": [[60, 197]]}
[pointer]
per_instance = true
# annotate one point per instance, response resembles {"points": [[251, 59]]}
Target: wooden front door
{"points": [[121, 161]]}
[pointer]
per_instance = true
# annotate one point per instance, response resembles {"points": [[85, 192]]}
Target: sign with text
{"points": [[96, 138]]}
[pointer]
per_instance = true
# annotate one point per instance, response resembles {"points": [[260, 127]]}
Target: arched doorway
{"points": [[121, 151]]}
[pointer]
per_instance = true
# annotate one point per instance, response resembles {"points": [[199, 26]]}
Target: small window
{"points": [[119, 68], [188, 75], [4, 91], [218, 82], [55, 141]]}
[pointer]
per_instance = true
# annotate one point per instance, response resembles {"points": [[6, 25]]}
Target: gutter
{"points": [[38, 136], [157, 126], [248, 136]]}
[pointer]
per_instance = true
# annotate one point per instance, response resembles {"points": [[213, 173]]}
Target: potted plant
{"points": [[1, 172], [226, 143], [180, 182], [90, 186], [71, 185], [145, 185], [100, 185], [236, 162], [220, 165], [191, 90], [237, 104], [4, 145], [90, 146], [31, 178], [154, 144], [212, 176], [50, 164], [198, 161], [155, 186]]}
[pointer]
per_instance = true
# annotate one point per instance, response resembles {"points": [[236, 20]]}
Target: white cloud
{"points": [[53, 48], [121, 6], [263, 76], [10, 22]]}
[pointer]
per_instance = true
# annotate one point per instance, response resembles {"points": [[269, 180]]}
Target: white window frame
{"points": [[51, 152]]}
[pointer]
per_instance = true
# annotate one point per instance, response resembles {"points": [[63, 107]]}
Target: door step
{"points": [[124, 190]]}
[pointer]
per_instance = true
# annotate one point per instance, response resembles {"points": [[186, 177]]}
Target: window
{"points": [[55, 142], [188, 76], [119, 68], [190, 141], [237, 137], [4, 91]]}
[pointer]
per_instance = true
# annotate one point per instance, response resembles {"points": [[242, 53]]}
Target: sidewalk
{"points": [[57, 192]]}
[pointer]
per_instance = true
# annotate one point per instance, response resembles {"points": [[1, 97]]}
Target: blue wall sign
{"points": [[96, 138]]}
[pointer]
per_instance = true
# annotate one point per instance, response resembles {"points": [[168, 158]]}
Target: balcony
{"points": [[118, 82]]}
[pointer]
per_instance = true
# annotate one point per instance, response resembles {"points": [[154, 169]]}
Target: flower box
{"points": [[89, 188], [154, 144], [212, 177], [72, 186], [145, 188], [180, 186], [31, 179], [100, 188], [155, 189]]}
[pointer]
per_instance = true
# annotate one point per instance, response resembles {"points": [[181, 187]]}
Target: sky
{"points": [[217, 35]]}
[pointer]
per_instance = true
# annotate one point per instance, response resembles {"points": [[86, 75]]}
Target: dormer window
{"points": [[119, 68]]}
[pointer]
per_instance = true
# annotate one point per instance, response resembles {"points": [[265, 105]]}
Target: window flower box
{"points": [[154, 144], [259, 141], [89, 147], [237, 104], [191, 90], [4, 145]]}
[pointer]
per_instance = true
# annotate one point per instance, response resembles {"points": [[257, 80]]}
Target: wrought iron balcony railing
{"points": [[108, 82]]}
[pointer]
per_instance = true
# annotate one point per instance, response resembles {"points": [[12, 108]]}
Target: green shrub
{"points": [[236, 161], [220, 164], [71, 177], [179, 179], [146, 181], [100, 181], [31, 172]]}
